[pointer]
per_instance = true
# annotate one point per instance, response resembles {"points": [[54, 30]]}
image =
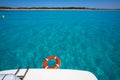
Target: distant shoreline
{"points": [[45, 9], [54, 8]]}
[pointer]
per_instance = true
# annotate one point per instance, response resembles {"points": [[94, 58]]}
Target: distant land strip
{"points": [[53, 8]]}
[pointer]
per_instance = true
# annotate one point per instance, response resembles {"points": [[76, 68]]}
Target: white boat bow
{"points": [[53, 74]]}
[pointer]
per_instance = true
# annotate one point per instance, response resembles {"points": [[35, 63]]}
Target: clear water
{"points": [[83, 40]]}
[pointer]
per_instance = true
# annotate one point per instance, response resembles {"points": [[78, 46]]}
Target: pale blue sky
{"points": [[62, 3]]}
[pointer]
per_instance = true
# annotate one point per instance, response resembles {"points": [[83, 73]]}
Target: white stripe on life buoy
{"points": [[46, 59], [55, 57], [57, 65], [46, 67]]}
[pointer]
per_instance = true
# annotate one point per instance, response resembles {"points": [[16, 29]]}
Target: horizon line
{"points": [[56, 7]]}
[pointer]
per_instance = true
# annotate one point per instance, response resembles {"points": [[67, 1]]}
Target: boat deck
{"points": [[52, 74]]}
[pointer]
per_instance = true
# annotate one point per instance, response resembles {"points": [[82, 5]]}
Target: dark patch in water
{"points": [[98, 61], [31, 46], [116, 53], [83, 47]]}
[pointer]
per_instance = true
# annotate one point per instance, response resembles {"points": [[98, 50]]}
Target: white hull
{"points": [[53, 74]]}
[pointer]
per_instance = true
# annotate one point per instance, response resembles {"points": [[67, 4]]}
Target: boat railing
{"points": [[21, 76]]}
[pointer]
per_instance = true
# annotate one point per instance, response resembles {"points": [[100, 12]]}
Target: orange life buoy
{"points": [[49, 58]]}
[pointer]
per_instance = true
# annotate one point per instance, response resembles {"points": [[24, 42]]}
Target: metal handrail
{"points": [[22, 77]]}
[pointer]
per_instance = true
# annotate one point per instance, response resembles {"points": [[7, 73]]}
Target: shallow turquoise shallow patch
{"points": [[83, 40]]}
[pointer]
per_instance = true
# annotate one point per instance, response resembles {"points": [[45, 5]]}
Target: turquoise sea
{"points": [[83, 40]]}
